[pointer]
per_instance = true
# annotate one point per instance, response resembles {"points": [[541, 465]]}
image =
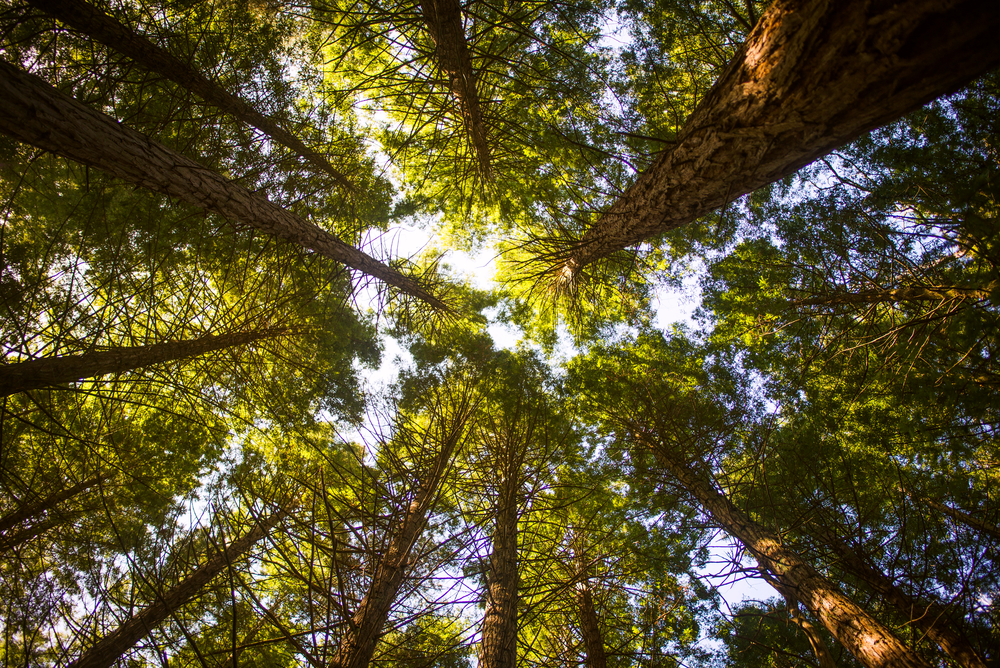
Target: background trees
{"points": [[211, 470]]}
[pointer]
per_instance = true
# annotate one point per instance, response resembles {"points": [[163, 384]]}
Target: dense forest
{"points": [[199, 279]]}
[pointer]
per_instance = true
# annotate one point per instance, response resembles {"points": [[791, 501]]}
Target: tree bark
{"points": [[34, 112], [931, 618], [499, 638], [443, 20], [812, 76], [35, 510], [898, 295], [966, 519], [113, 646], [820, 650], [105, 29], [868, 640], [358, 644], [590, 627], [50, 371]]}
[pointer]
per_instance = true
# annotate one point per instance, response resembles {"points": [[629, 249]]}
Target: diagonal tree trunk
{"points": [[358, 644], [868, 640], [959, 516], [931, 618], [51, 371], [820, 650], [35, 510], [113, 646], [898, 295], [443, 21], [34, 112], [105, 29], [812, 76]]}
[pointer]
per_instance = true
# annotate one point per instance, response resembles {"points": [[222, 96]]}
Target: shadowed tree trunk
{"points": [[590, 627], [812, 76], [868, 640], [50, 371], [499, 641], [820, 650], [33, 511], [34, 112], [930, 618], [898, 295], [113, 646], [96, 24], [959, 516], [443, 21], [358, 644]]}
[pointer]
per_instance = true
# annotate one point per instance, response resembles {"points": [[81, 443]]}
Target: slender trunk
{"points": [[590, 628], [931, 618], [113, 646], [358, 644], [966, 519], [50, 371], [868, 640], [105, 29], [34, 112], [820, 650], [499, 638], [443, 20], [812, 76], [898, 295], [12, 540], [33, 511]]}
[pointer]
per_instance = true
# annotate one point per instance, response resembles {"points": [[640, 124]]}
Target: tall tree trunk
{"points": [[34, 112], [443, 20], [113, 646], [899, 295], [50, 371], [358, 644], [968, 520], [499, 638], [820, 650], [812, 76], [868, 640], [930, 618], [590, 627], [105, 29], [32, 511]]}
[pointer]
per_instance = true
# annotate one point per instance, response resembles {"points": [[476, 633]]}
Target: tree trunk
{"points": [[590, 628], [358, 644], [50, 371], [443, 20], [966, 519], [499, 639], [868, 640], [96, 24], [930, 618], [812, 76], [112, 647], [33, 511], [899, 295], [820, 650], [34, 112]]}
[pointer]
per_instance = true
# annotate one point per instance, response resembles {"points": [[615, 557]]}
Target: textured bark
{"points": [[34, 112], [358, 644], [899, 295], [590, 627], [36, 510], [443, 21], [868, 640], [820, 650], [499, 638], [113, 646], [107, 30], [966, 519], [930, 618], [812, 76], [50, 371]]}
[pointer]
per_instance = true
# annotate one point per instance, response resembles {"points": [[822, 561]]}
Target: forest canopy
{"points": [[197, 207]]}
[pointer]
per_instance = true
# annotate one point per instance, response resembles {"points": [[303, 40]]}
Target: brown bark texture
{"points": [[443, 21], [498, 647], [113, 646], [34, 112], [868, 640], [930, 618], [105, 29], [590, 627], [36, 510], [812, 76], [50, 371], [899, 295], [819, 648], [357, 647]]}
